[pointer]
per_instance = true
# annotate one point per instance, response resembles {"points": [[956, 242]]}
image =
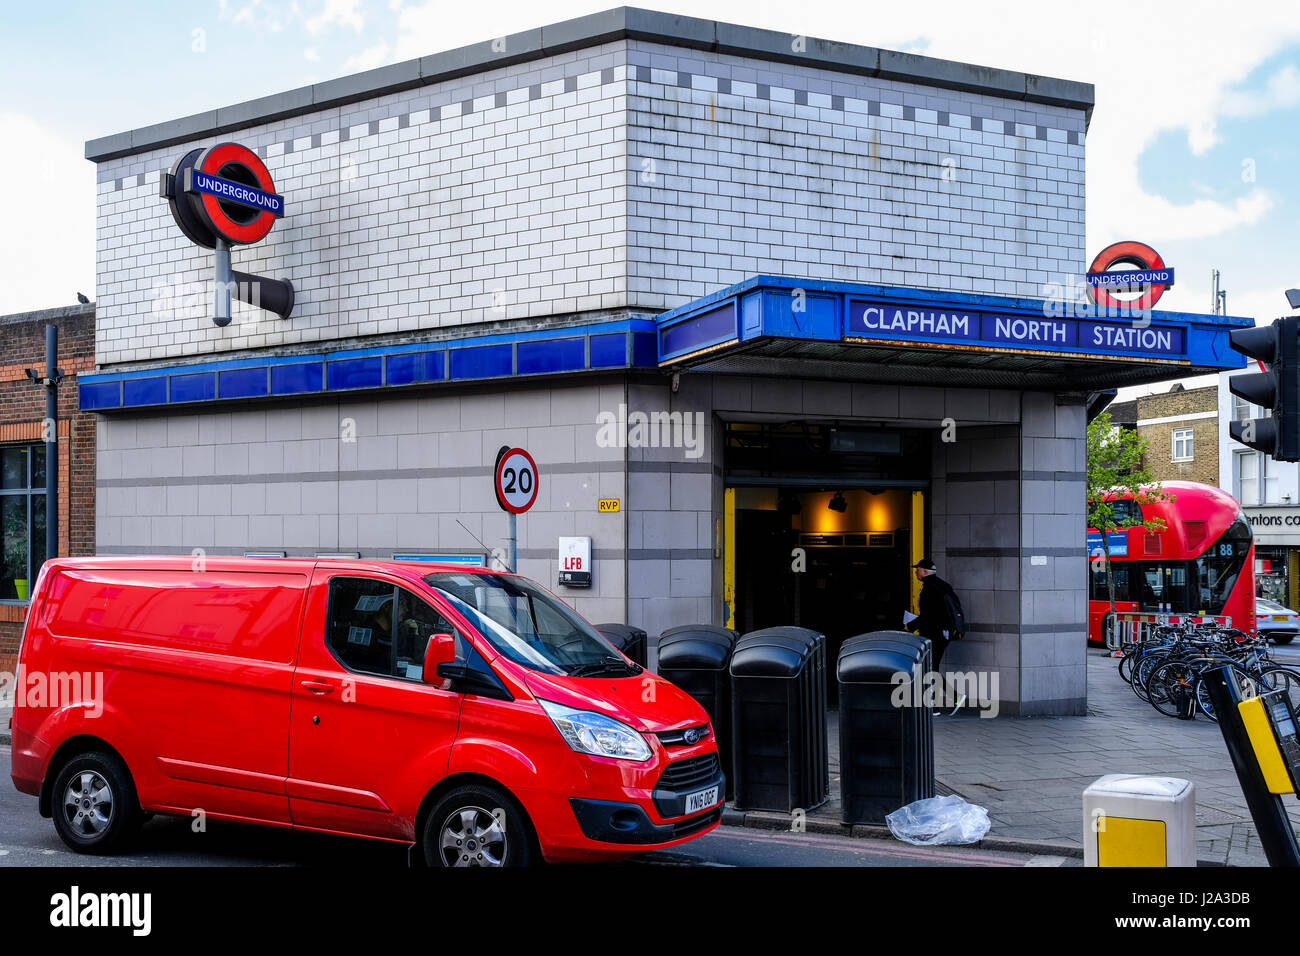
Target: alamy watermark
{"points": [[56, 689], [655, 429], [978, 690]]}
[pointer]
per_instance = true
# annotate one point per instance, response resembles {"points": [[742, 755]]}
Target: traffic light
{"points": [[1278, 389]]}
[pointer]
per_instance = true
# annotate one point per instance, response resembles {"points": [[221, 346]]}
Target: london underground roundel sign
{"points": [[1151, 279], [516, 480], [223, 192]]}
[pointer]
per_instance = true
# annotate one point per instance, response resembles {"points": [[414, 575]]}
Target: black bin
{"points": [[628, 639], [778, 706], [886, 750], [696, 658]]}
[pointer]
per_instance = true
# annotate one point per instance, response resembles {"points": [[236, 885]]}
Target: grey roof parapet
{"points": [[50, 315], [592, 30]]}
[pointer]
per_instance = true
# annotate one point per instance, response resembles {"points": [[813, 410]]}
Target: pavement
{"points": [[1030, 773]]}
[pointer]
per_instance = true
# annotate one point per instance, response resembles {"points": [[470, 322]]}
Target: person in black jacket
{"points": [[932, 621]]}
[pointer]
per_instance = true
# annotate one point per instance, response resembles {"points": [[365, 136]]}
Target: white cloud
{"points": [[48, 244], [310, 55], [345, 13], [1281, 91]]}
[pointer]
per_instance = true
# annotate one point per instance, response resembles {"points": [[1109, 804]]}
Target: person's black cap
{"points": [[925, 564]]}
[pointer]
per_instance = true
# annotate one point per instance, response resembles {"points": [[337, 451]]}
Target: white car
{"points": [[1276, 622]]}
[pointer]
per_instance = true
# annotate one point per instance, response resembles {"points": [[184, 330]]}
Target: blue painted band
{"points": [[595, 346]]}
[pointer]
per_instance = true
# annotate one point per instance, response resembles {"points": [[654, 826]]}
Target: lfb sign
{"points": [[575, 562]]}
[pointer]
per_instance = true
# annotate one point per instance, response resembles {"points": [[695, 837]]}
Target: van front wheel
{"points": [[476, 826], [95, 808]]}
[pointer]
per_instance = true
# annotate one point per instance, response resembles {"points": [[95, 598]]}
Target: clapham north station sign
{"points": [[880, 320]]}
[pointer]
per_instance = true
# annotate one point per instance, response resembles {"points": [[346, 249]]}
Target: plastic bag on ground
{"points": [[939, 820]]}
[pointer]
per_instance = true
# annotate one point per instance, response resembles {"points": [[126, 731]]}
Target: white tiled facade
{"points": [[625, 175], [740, 167], [494, 197], [615, 180]]}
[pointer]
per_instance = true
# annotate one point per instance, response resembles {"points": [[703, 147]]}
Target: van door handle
{"points": [[318, 686]]}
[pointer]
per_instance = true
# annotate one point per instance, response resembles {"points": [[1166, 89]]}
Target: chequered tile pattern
{"points": [[627, 174]]}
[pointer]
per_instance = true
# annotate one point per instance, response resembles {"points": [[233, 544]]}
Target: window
{"points": [[1122, 510], [1256, 481], [377, 628], [1099, 589], [22, 518], [1182, 441], [1243, 410], [529, 625], [1217, 569], [1162, 585], [1248, 478]]}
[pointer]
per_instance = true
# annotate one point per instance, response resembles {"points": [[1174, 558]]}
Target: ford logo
{"points": [[692, 736]]}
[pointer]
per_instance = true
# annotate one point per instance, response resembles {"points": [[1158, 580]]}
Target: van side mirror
{"points": [[440, 650]]}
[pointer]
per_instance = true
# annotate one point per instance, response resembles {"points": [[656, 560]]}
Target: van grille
{"points": [[688, 774], [676, 738], [696, 824]]}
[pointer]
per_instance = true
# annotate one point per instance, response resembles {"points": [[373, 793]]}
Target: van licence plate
{"points": [[701, 800]]}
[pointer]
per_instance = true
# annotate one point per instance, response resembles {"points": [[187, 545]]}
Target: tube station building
{"points": [[773, 315]]}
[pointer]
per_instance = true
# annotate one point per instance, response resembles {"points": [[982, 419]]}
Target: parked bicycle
{"points": [[1166, 667]]}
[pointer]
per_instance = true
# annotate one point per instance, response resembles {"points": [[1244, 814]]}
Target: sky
{"points": [[1192, 148]]}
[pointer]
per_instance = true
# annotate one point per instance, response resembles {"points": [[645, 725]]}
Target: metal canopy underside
{"points": [[891, 364]]}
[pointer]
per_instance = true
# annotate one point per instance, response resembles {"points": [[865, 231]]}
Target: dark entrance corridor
{"points": [[824, 520]]}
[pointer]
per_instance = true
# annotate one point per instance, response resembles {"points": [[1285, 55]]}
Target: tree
{"points": [[1114, 477]]}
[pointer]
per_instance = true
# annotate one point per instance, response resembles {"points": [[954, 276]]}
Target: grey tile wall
{"points": [[738, 167], [1053, 564], [416, 478]]}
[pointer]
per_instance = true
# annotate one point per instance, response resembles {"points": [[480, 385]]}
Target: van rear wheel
{"points": [[476, 825], [94, 803]]}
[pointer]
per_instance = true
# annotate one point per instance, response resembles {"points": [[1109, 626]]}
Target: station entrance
{"points": [[824, 522]]}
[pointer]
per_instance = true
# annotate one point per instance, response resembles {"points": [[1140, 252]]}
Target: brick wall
{"points": [[22, 411], [1181, 406]]}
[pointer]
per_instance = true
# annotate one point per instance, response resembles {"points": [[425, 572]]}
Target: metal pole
{"points": [[514, 527], [221, 295], [51, 442], [1275, 832]]}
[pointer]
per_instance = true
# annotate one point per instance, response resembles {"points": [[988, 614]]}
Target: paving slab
{"points": [[1030, 772]]}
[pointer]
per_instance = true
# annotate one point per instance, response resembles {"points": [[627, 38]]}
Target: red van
{"points": [[468, 712]]}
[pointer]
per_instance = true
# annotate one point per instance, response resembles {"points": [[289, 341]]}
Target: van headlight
{"points": [[592, 733]]}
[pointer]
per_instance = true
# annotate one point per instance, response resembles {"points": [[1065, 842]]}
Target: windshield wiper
{"points": [[606, 666]]}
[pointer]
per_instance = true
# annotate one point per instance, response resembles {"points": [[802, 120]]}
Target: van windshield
{"points": [[529, 625]]}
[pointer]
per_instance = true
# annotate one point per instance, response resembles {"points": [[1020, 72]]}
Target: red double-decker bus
{"points": [[1202, 563]]}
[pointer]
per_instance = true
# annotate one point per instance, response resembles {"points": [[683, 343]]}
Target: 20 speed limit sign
{"points": [[516, 480]]}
